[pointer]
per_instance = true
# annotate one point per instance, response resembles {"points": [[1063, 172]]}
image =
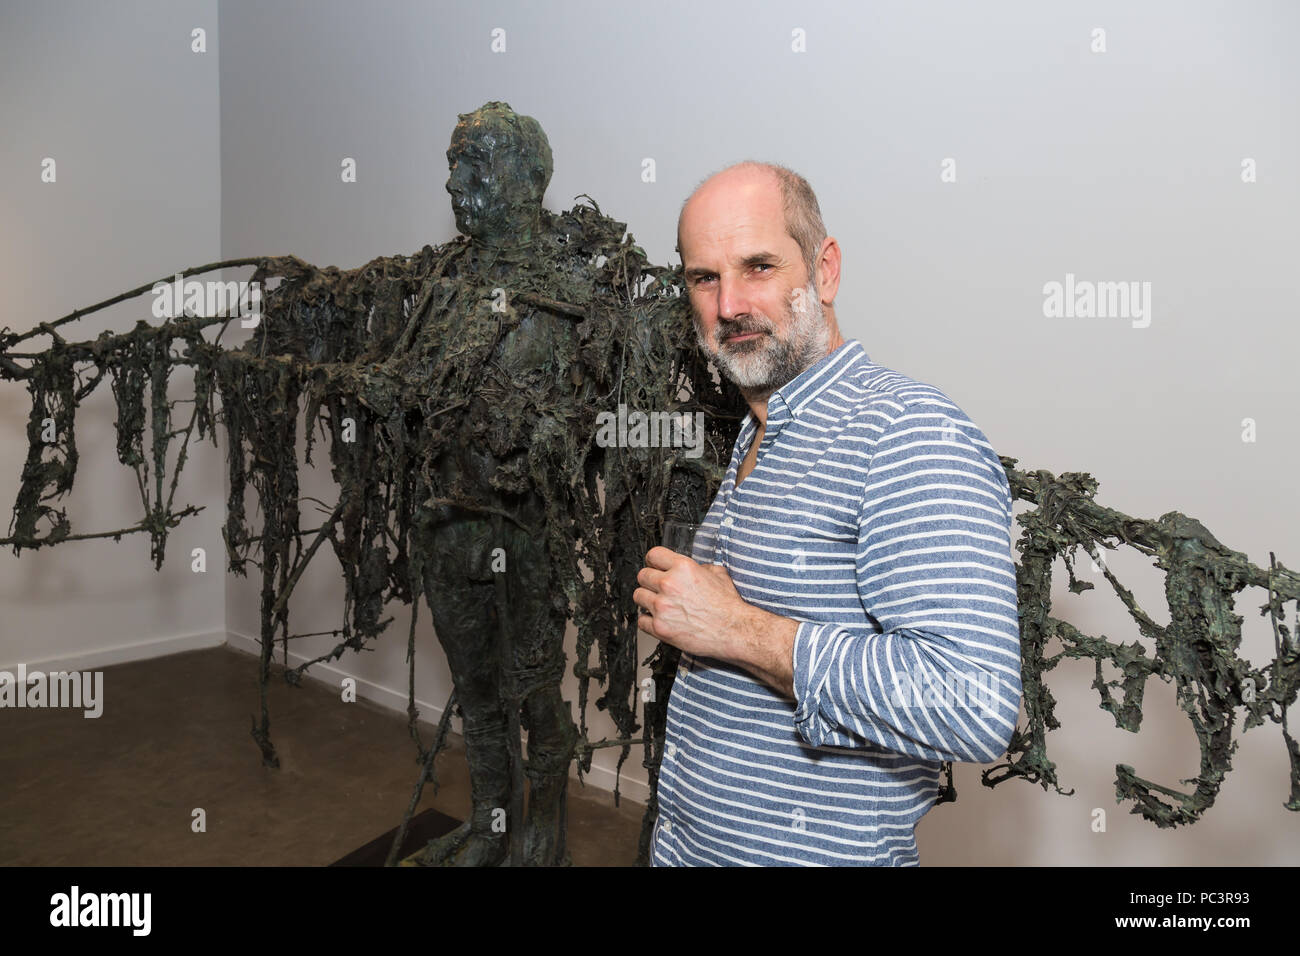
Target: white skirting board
{"points": [[395, 700], [123, 653]]}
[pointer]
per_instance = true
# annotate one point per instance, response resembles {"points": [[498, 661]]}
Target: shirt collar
{"points": [[797, 394]]}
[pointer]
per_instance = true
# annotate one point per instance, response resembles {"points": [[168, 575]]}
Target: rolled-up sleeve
{"points": [[934, 669]]}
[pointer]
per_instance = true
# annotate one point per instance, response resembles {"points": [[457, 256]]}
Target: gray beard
{"points": [[766, 363]]}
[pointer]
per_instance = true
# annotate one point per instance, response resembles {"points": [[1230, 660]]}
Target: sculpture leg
{"points": [[539, 661], [551, 737], [464, 617]]}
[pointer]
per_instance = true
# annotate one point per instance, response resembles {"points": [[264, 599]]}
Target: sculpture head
{"points": [[500, 165], [761, 275]]}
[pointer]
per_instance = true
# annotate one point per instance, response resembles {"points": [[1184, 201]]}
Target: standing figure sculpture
{"points": [[504, 378], [500, 168]]}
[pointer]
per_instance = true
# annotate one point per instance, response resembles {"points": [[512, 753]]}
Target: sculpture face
{"points": [[499, 167]]}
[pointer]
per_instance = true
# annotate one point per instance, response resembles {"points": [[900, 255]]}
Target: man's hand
{"points": [[696, 608]]}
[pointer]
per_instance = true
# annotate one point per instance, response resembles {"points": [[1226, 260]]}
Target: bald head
{"points": [[765, 189]]}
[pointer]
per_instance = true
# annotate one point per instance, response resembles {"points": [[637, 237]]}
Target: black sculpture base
{"points": [[424, 826]]}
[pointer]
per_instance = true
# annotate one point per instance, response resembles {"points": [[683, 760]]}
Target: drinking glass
{"points": [[689, 538]]}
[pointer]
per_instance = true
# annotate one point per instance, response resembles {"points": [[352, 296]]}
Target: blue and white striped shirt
{"points": [[879, 517]]}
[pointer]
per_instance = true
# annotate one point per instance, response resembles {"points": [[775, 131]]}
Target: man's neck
{"points": [[756, 399], [757, 402]]}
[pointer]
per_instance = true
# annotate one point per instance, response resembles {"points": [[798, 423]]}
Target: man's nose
{"points": [[731, 299]]}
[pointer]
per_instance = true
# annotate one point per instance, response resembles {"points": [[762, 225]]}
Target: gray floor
{"points": [[121, 790]]}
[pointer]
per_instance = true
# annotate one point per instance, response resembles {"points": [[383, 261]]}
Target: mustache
{"points": [[742, 327]]}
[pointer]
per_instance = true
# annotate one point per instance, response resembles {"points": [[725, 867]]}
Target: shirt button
{"points": [[681, 671], [668, 826], [671, 749], [728, 521]]}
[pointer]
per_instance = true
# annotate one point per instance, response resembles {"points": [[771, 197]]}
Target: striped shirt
{"points": [[879, 517]]}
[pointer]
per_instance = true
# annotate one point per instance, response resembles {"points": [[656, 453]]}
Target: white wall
{"points": [[1114, 166], [115, 96]]}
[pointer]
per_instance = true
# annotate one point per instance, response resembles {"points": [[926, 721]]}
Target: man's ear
{"points": [[828, 270]]}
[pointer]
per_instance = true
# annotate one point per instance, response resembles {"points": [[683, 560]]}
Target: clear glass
{"points": [[691, 539]]}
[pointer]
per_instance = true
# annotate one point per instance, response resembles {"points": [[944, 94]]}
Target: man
{"points": [[848, 619]]}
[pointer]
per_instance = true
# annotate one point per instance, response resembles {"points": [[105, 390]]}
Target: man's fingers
{"points": [[644, 622], [649, 578], [642, 597], [663, 558]]}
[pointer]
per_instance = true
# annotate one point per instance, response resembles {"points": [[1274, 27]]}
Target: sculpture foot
{"points": [[464, 847]]}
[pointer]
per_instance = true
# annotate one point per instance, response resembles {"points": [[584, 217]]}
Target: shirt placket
{"points": [[778, 413]]}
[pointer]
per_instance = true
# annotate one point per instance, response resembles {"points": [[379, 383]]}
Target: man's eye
{"points": [[763, 265]]}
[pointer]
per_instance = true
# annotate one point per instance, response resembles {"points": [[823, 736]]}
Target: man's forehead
{"points": [[741, 211]]}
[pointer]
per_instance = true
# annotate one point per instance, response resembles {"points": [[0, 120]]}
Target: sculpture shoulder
{"points": [[585, 229], [314, 284]]}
